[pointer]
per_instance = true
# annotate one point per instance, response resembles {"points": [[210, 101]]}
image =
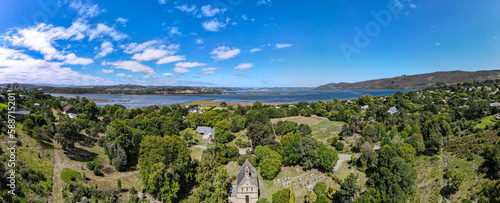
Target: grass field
{"points": [[322, 128], [196, 153], [487, 121]]}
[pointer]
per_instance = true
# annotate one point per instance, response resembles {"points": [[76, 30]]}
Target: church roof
{"points": [[252, 173]]}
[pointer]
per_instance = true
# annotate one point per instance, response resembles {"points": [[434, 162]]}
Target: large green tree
{"points": [[308, 148], [349, 188], [213, 180], [289, 148], [327, 157], [67, 133], [165, 166]]}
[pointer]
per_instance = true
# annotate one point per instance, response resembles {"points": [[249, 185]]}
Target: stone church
{"points": [[246, 189]]}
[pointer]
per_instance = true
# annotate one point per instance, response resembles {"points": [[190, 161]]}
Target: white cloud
{"points": [[244, 17], [223, 53], [180, 70], [281, 46], [122, 21], [124, 75], [42, 38], [208, 72], [168, 74], [102, 30], [18, 67], [170, 59], [213, 25], [209, 69], [133, 66], [413, 6], [189, 64], [86, 10], [107, 71], [135, 47], [255, 50], [187, 9], [264, 2], [151, 54], [437, 44], [106, 48], [199, 41], [243, 66], [162, 1], [208, 11], [175, 31]]}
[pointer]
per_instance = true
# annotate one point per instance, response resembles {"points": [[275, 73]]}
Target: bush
{"points": [[70, 176], [339, 146], [242, 144]]}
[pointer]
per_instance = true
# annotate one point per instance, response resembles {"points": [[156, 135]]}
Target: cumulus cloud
{"points": [[208, 11], [133, 66], [86, 10], [102, 30], [106, 48], [138, 47], [122, 21], [255, 50], [264, 2], [213, 25], [223, 53], [42, 38], [175, 31], [187, 9], [189, 64], [170, 59], [162, 1], [243, 66], [151, 54], [107, 71], [168, 74], [19, 67], [124, 75], [281, 46], [437, 44], [199, 41], [208, 71], [182, 67]]}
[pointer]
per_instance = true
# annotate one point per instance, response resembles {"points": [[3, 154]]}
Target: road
{"points": [[342, 158]]}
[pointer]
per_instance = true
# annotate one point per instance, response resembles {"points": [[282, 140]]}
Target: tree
{"points": [[222, 131], [308, 148], [407, 152], [292, 194], [117, 156], [67, 133], [269, 162], [490, 192], [213, 180], [119, 184], [223, 104], [289, 148], [331, 192], [365, 100], [327, 157], [368, 158], [28, 124], [282, 196], [125, 136], [262, 200], [417, 142], [349, 188], [435, 142], [492, 159], [165, 165], [320, 188], [260, 135], [456, 179], [310, 197]]}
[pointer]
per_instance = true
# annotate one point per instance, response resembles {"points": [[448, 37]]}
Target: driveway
{"points": [[342, 158]]}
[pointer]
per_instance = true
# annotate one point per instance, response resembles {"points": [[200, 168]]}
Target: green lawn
{"points": [[327, 129], [487, 121]]}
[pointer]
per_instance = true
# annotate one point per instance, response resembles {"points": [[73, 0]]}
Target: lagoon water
{"points": [[135, 101]]}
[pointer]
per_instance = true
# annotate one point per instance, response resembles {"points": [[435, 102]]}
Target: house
{"points": [[20, 112], [70, 109], [193, 110], [207, 133], [36, 104], [246, 189], [72, 115], [364, 107], [495, 104], [393, 110]]}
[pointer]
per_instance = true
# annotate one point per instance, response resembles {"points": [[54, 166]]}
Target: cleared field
{"points": [[487, 121], [322, 128]]}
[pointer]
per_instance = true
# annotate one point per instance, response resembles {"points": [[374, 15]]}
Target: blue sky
{"points": [[242, 43]]}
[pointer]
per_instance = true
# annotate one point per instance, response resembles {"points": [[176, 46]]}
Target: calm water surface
{"points": [[134, 101]]}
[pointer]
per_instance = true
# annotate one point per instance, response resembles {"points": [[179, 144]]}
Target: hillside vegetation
{"points": [[419, 81]]}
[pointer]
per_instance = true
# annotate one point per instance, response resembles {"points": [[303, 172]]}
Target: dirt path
{"points": [[57, 183], [342, 158]]}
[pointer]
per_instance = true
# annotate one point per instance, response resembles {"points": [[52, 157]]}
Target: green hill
{"points": [[416, 81]]}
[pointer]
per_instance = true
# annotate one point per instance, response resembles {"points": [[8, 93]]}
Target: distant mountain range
{"points": [[419, 81]]}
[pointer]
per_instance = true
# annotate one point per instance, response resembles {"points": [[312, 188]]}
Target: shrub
{"points": [[70, 176]]}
